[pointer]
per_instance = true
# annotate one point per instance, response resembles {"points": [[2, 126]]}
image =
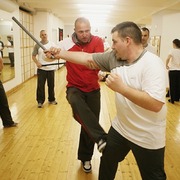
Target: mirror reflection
{"points": [[7, 49]]}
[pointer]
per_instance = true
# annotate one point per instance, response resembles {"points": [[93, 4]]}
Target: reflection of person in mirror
{"points": [[1, 47], [10, 46], [5, 112]]}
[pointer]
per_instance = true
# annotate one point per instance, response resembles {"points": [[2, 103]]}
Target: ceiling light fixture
{"points": [[95, 6]]}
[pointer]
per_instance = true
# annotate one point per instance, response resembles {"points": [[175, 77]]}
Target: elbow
{"points": [[158, 107], [157, 110]]}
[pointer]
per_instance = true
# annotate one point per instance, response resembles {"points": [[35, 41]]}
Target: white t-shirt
{"points": [[42, 56], [140, 126], [175, 60]]}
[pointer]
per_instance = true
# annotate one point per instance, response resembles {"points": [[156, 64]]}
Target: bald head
{"points": [[81, 20], [82, 29], [43, 36]]}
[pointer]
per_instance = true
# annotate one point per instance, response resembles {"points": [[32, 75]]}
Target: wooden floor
{"points": [[7, 73], [44, 145]]}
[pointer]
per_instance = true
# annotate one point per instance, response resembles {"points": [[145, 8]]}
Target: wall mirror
{"points": [[6, 39]]}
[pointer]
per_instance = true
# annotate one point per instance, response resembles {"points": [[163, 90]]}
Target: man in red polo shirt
{"points": [[83, 91]]}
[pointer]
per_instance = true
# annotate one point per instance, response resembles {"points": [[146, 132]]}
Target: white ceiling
{"points": [[103, 11]]}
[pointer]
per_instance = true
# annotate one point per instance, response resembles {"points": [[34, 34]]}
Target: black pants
{"points": [[11, 58], [1, 53], [42, 77], [174, 85], [5, 113], [150, 162], [86, 109]]}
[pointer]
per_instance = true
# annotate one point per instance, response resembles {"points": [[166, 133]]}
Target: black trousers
{"points": [[174, 85], [42, 77], [150, 161], [11, 58], [1, 53], [5, 113], [86, 110]]}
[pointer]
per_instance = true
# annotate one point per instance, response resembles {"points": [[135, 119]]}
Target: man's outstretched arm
{"points": [[74, 57]]}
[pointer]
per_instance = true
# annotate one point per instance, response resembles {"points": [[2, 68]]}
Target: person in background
{"points": [[44, 73], [173, 65], [1, 47], [145, 40], [138, 78], [10, 46], [102, 75], [107, 47], [5, 112], [83, 91]]}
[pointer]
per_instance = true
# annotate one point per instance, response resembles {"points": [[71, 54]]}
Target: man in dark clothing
{"points": [[5, 112]]}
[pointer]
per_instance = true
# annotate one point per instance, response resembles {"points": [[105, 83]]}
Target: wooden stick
{"points": [[32, 37], [53, 64]]}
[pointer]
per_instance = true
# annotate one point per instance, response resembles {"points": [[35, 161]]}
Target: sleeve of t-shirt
{"points": [[102, 61], [170, 52], [35, 50]]}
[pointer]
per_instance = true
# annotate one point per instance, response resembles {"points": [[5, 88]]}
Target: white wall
{"points": [[171, 31], [48, 22], [68, 30], [156, 25], [40, 23], [103, 31]]}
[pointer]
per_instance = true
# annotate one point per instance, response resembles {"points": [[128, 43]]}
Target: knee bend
{"points": [[73, 100]]}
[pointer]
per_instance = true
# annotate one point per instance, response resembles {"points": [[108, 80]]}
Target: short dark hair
{"points": [[177, 42], [42, 31], [130, 29], [145, 29]]}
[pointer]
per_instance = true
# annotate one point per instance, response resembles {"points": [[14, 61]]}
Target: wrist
{"points": [[59, 53]]}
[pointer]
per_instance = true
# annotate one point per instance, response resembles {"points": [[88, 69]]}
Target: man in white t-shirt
{"points": [[138, 79], [44, 72]]}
